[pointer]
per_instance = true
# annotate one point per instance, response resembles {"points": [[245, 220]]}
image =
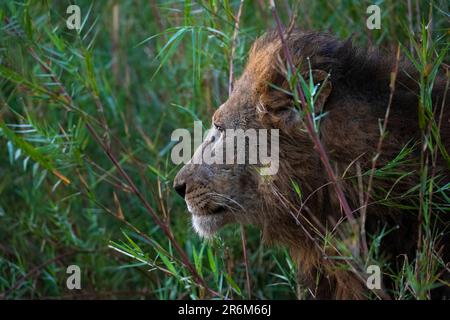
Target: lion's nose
{"points": [[180, 188], [181, 181]]}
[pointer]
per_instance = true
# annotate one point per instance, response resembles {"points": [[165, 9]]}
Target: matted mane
{"points": [[360, 80], [362, 72]]}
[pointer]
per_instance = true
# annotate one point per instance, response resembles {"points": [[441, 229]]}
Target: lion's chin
{"points": [[207, 225]]}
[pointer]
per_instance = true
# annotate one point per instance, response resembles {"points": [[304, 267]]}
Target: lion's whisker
{"points": [[226, 198]]}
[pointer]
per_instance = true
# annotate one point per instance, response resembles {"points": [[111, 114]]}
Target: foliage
{"points": [[72, 102]]}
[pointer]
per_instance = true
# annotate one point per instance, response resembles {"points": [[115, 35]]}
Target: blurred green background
{"points": [[136, 70]]}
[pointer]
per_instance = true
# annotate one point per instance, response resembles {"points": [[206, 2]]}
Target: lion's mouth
{"points": [[205, 211], [218, 210]]}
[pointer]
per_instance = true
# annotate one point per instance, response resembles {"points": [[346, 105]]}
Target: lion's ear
{"points": [[278, 103]]}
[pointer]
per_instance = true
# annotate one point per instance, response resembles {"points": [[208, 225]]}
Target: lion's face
{"points": [[218, 194]]}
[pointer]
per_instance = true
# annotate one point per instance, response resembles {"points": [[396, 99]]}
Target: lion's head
{"points": [[298, 205], [352, 92], [217, 194]]}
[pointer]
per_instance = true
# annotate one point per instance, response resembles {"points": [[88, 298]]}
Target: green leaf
{"points": [[297, 189], [233, 284], [168, 263], [212, 264]]}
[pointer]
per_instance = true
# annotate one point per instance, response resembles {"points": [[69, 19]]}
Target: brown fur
{"points": [[355, 100]]}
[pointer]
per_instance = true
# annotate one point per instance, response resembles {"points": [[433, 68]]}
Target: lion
{"points": [[298, 207]]}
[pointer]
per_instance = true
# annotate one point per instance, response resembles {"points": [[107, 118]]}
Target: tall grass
{"points": [[85, 123]]}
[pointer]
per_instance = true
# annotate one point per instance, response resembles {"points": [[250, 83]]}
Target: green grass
{"points": [[134, 73]]}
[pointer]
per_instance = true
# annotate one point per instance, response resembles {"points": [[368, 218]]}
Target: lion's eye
{"points": [[218, 127]]}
